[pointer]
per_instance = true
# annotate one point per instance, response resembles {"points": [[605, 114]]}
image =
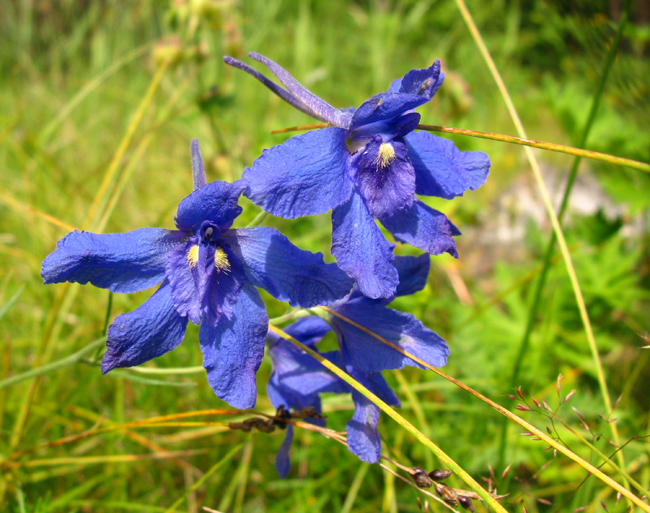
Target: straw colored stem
{"points": [[507, 413], [399, 419]]}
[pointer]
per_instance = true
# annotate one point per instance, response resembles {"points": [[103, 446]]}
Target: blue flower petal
{"points": [[385, 106], [301, 376], [363, 439], [216, 202], [120, 262], [413, 273], [226, 281], [282, 462], [422, 82], [288, 273], [368, 354], [320, 108], [233, 350], [151, 330], [308, 330], [443, 170], [424, 228], [385, 177], [304, 176], [189, 280], [361, 250]]}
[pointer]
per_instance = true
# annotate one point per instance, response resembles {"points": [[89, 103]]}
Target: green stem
{"points": [[54, 366], [557, 228]]}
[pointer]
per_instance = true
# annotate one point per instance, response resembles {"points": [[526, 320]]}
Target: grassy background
{"points": [[75, 72]]}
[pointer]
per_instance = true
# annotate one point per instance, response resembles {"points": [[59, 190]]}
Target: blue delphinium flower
{"points": [[297, 378], [364, 356], [209, 272], [369, 164]]}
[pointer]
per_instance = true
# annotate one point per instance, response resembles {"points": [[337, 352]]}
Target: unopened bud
{"points": [[466, 503], [448, 495], [440, 474], [421, 478]]}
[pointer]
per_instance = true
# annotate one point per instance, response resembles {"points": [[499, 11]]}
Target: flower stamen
{"points": [[221, 260], [385, 156], [193, 256]]}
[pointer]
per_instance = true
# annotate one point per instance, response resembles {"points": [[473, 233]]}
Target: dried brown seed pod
{"points": [[421, 478], [440, 474], [466, 503], [448, 495]]}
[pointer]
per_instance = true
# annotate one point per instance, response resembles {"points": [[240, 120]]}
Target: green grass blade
{"points": [[548, 255], [557, 228]]}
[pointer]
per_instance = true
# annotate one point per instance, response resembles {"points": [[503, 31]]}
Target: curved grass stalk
{"points": [[557, 228], [523, 141], [507, 413], [54, 366], [457, 469], [593, 155]]}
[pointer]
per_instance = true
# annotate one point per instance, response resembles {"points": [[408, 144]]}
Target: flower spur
{"points": [[368, 164], [209, 272]]}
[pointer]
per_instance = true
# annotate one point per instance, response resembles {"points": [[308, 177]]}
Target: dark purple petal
{"points": [[386, 130], [385, 106], [413, 273], [361, 250], [282, 462], [385, 177], [368, 354], [304, 176], [215, 202], [422, 82], [120, 262], [233, 350], [288, 273], [443, 170], [189, 276], [424, 228], [285, 95], [151, 330], [226, 281], [320, 108]]}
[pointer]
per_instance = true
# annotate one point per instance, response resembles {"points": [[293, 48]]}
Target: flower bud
{"points": [[422, 480], [440, 474]]}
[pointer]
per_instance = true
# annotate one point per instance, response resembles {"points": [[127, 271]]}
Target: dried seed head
{"points": [[421, 478], [466, 503], [448, 495], [440, 474]]}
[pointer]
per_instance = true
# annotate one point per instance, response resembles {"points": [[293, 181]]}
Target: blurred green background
{"points": [[99, 101]]}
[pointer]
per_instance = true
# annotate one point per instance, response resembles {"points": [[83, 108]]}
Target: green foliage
{"points": [[62, 118]]}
